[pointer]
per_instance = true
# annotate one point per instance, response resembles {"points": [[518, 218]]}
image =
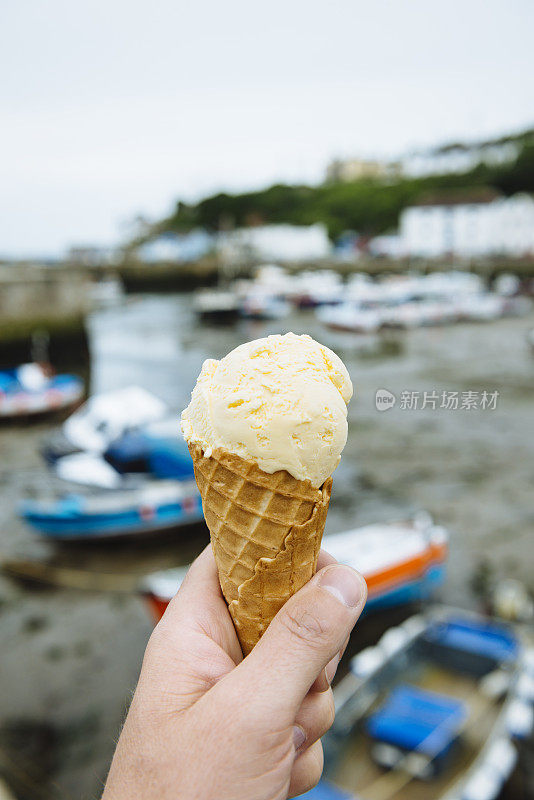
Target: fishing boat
{"points": [[104, 419], [432, 711], [402, 562], [137, 508], [30, 389], [141, 484]]}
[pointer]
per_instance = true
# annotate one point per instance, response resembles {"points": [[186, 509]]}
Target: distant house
{"points": [[278, 242], [479, 224], [91, 255], [355, 169], [455, 158], [386, 246], [173, 247]]}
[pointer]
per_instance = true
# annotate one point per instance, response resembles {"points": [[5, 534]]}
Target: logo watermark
{"points": [[384, 400], [433, 400]]}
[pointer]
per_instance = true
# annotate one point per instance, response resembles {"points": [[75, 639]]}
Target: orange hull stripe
{"points": [[406, 570], [376, 583]]}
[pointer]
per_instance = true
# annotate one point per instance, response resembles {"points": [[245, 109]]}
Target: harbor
{"points": [[81, 628], [266, 402]]}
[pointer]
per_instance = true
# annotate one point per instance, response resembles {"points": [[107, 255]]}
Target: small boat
{"points": [[432, 711], [133, 510], [103, 419], [145, 482], [155, 450], [30, 390], [317, 288], [264, 306], [483, 307], [419, 313], [217, 305], [351, 317], [402, 562]]}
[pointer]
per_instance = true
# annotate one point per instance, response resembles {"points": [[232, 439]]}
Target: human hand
{"points": [[206, 724]]}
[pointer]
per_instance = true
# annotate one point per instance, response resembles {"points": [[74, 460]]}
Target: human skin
{"points": [[206, 724]]}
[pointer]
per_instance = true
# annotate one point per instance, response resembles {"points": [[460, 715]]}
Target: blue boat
{"points": [[433, 711], [29, 390], [107, 420], [141, 482], [153, 506], [162, 457]]}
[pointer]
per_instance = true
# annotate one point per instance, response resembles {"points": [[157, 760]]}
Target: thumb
{"points": [[308, 631]]}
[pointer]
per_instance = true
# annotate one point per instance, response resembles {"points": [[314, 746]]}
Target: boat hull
{"points": [[50, 400], [70, 519], [411, 576]]}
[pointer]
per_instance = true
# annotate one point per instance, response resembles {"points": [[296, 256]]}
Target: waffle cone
{"points": [[266, 533]]}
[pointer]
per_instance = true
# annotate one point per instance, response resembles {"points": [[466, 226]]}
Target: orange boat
{"points": [[402, 562]]}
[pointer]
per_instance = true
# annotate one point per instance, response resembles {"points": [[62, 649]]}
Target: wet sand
{"points": [[70, 659]]}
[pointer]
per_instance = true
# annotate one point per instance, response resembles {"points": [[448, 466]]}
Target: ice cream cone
{"points": [[266, 532]]}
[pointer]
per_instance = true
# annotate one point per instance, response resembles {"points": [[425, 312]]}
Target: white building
{"points": [[278, 242], [357, 169], [481, 226], [458, 158]]}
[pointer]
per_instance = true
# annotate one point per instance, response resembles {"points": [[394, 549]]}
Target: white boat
{"points": [[433, 711], [419, 313], [275, 280], [107, 416], [350, 317], [416, 301], [479, 307], [217, 304], [261, 305], [317, 288]]}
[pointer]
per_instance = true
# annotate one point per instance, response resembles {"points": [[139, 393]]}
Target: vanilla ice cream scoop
{"points": [[280, 402]]}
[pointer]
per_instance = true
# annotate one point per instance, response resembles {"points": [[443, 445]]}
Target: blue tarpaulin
{"points": [[415, 719], [486, 639]]}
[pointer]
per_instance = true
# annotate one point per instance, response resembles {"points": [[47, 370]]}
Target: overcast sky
{"points": [[117, 107]]}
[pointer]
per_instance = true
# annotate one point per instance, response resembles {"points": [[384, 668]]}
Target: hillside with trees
{"points": [[370, 206]]}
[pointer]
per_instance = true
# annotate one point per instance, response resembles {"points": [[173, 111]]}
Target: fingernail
{"points": [[331, 668], [344, 583], [299, 736]]}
